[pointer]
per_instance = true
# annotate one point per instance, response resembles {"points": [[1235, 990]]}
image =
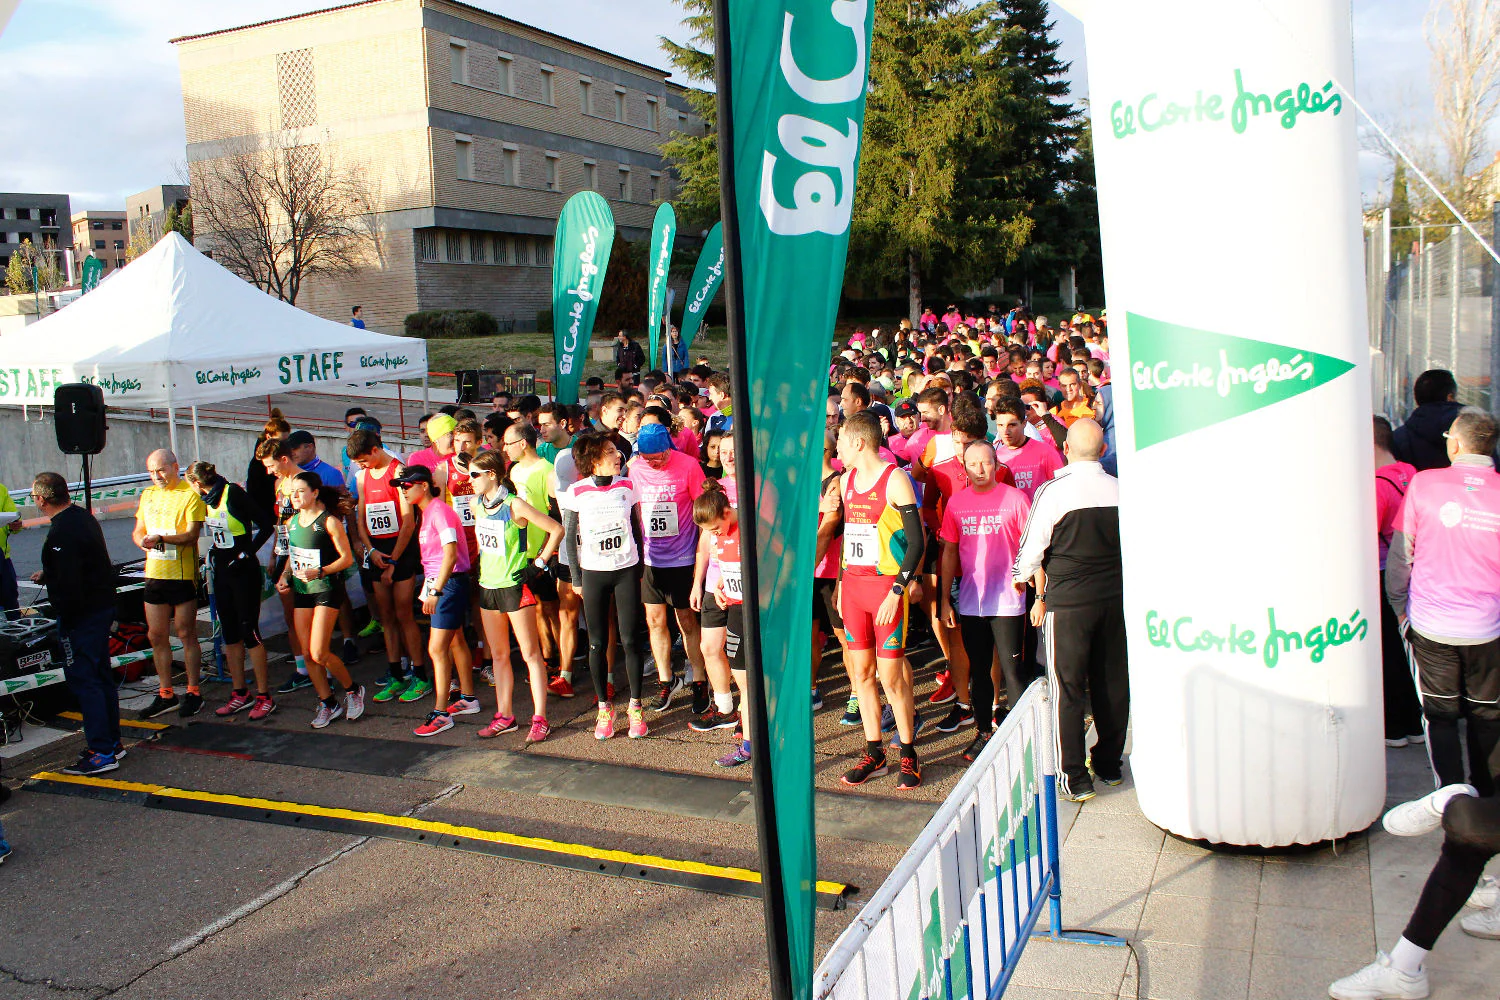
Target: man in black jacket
{"points": [[80, 583], [1420, 440]]}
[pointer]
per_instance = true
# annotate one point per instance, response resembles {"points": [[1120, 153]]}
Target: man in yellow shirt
{"points": [[1075, 404], [167, 524]]}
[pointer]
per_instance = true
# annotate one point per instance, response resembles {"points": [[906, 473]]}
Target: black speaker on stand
{"points": [[79, 422]]}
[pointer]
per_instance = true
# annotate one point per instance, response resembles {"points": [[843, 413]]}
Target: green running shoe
{"points": [[390, 688], [417, 690], [374, 628]]}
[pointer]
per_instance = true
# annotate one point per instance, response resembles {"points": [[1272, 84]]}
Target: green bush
{"points": [[544, 321], [451, 324]]}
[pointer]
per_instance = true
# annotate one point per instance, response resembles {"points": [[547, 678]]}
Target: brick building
{"points": [[101, 233], [470, 129]]}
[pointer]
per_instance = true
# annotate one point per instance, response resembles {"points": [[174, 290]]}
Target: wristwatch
{"points": [[897, 589]]}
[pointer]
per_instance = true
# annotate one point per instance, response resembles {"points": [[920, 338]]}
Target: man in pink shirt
{"points": [[981, 535], [1403, 713], [1442, 578], [1032, 462]]}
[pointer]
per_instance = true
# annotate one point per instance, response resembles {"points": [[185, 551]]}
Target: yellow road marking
{"points": [[124, 722], [426, 826]]}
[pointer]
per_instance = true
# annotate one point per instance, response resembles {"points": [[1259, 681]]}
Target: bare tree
{"points": [[279, 214], [1464, 39]]}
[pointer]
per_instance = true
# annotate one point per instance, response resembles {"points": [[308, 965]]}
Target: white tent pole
{"points": [[197, 448], [171, 417], [426, 402]]}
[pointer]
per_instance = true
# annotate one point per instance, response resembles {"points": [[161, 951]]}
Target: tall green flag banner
{"points": [[1186, 379], [663, 234], [796, 72], [92, 268], [708, 275], [580, 254]]}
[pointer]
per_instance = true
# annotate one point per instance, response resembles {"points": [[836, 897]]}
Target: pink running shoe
{"points": [[540, 730], [497, 726], [264, 706], [604, 724], [236, 703], [637, 716]]}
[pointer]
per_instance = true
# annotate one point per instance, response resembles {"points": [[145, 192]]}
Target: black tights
{"points": [[625, 586], [982, 638], [1471, 830]]}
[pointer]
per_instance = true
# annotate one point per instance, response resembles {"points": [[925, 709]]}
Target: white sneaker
{"points": [[1413, 819], [1417, 739], [1486, 894], [1397, 743], [1380, 981], [1484, 924], [325, 715], [355, 703]]}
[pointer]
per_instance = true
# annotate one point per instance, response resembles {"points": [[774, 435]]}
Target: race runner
{"points": [[168, 521]]}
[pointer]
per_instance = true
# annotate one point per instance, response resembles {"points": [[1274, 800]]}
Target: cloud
{"points": [[93, 84]]}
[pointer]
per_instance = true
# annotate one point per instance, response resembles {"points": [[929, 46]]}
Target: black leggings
{"points": [[625, 586], [1471, 830], [982, 637]]}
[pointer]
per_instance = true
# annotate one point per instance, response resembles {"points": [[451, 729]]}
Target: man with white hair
{"points": [[167, 524], [1071, 551]]}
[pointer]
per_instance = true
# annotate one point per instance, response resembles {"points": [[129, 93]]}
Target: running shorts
{"points": [[237, 601], [712, 616], [734, 634], [406, 566], [506, 599], [330, 598], [171, 592], [862, 596], [452, 604], [667, 585], [825, 609]]}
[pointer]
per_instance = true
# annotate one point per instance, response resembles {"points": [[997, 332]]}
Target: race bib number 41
{"points": [[218, 531]]}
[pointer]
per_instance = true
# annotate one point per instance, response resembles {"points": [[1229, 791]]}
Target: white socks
{"points": [[1407, 957], [724, 702]]}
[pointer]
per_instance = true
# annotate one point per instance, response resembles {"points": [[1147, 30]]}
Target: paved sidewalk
{"points": [[1206, 926]]}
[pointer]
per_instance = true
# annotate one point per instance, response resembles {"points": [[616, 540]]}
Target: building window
{"points": [[296, 88], [98, 225], [455, 248], [543, 252], [426, 245], [651, 113], [504, 62], [585, 97], [464, 153], [619, 104], [510, 167], [590, 182], [502, 250], [98, 244], [624, 184], [522, 253], [547, 85], [23, 213], [117, 226], [119, 244], [458, 61], [552, 172], [477, 245], [652, 184]]}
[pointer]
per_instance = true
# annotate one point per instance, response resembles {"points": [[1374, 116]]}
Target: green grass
{"points": [[534, 350]]}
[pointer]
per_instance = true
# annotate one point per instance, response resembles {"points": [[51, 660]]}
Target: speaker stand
{"points": [[88, 488]]}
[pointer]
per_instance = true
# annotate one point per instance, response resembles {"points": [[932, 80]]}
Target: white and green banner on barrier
{"points": [[708, 275], [797, 75], [580, 255], [1226, 159], [663, 235]]}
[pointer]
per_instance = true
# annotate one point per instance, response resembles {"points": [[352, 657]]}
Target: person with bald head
{"points": [[1070, 551], [168, 521]]}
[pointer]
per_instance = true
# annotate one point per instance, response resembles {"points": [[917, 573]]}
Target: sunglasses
{"points": [[477, 473]]}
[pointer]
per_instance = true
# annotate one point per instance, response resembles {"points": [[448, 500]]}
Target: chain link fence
{"points": [[1432, 305]]}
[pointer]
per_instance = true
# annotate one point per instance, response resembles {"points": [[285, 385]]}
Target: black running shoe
{"points": [[665, 692], [869, 766], [160, 706], [192, 704], [351, 651], [911, 774], [714, 719], [296, 682], [981, 740], [701, 700], [957, 716]]}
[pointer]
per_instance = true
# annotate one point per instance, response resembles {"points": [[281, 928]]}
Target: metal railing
{"points": [[1431, 305], [954, 916]]}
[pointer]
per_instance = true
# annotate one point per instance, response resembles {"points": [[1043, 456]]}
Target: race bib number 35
{"points": [[661, 520]]}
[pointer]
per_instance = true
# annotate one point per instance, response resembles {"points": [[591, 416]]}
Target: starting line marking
{"points": [[651, 868], [130, 723]]}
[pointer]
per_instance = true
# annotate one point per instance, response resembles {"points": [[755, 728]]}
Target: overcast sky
{"points": [[94, 108]]}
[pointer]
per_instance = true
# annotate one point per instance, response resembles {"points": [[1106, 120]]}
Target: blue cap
{"points": [[652, 439]]}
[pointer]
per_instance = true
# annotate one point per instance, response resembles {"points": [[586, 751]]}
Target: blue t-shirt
{"points": [[327, 474]]}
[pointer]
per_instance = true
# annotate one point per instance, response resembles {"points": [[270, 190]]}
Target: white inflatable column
{"points": [[1230, 212]]}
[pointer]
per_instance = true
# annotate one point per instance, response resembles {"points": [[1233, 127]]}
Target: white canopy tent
{"points": [[174, 328]]}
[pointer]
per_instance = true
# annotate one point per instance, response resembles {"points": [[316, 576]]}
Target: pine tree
{"points": [[1400, 196], [18, 274], [695, 159], [933, 192], [1039, 166]]}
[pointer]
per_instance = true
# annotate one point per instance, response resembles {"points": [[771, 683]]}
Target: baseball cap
{"points": [[440, 425], [299, 438], [413, 474], [653, 439], [906, 408]]}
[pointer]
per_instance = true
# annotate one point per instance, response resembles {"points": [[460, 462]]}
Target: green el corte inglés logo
{"points": [[1186, 379]]}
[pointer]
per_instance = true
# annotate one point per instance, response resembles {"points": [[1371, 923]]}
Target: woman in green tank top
{"points": [[505, 602], [318, 552]]}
